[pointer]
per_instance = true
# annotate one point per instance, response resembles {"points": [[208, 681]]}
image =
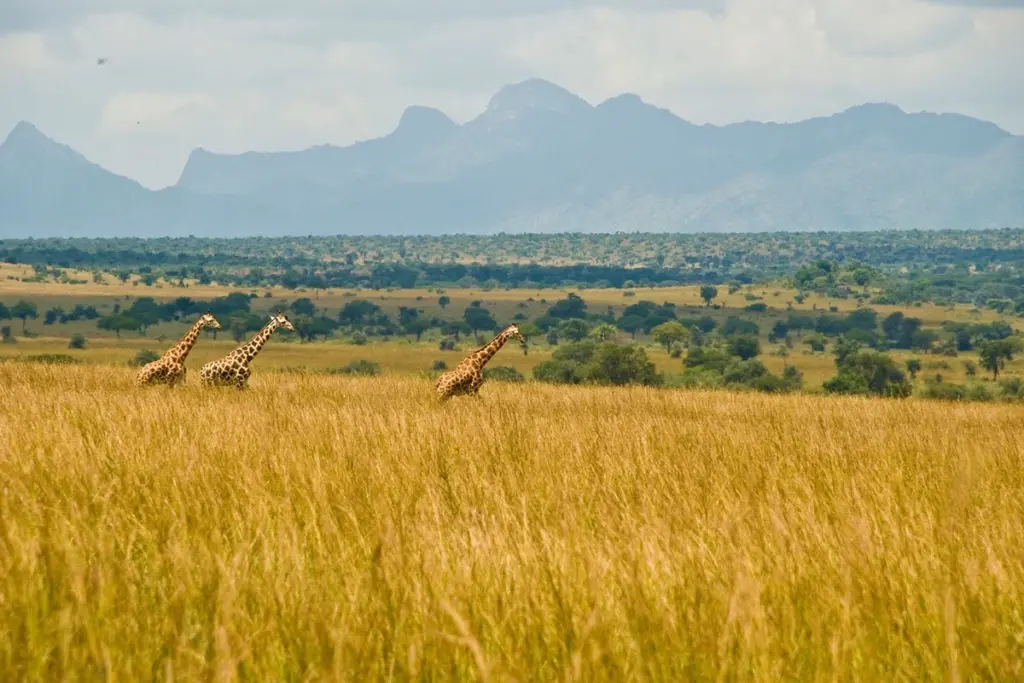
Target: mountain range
{"points": [[541, 159]]}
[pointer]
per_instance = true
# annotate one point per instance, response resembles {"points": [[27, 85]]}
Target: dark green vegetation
{"points": [[541, 159], [716, 344], [984, 268], [715, 347]]}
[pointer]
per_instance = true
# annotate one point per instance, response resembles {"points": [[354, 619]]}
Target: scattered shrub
{"points": [[695, 377], [357, 367], [143, 357], [601, 363], [1011, 388], [503, 373], [941, 391], [978, 392]]}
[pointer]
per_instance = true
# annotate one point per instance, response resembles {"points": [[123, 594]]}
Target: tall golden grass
{"points": [[328, 528]]}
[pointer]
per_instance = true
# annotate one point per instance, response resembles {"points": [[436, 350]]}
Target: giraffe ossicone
{"points": [[467, 376], [170, 368], [233, 369]]}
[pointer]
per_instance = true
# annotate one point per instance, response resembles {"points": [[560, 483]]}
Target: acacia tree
{"points": [[574, 329], [708, 293], [478, 319], [994, 355], [745, 346], [631, 323], [24, 310], [670, 333], [117, 322], [603, 332]]}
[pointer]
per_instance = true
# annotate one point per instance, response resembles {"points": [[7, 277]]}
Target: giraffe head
{"points": [[282, 321], [210, 321], [512, 332]]}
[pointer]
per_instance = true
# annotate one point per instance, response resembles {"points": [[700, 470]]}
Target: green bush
{"points": [[600, 363], [1011, 388], [752, 374], [695, 378], [942, 391], [708, 358], [746, 346], [143, 357], [863, 371], [622, 364], [504, 373], [978, 392], [77, 341], [357, 367]]}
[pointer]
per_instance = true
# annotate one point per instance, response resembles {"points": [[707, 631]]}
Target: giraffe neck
{"points": [[486, 352], [253, 347], [180, 350]]}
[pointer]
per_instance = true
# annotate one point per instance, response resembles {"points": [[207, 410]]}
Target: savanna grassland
{"points": [[403, 354], [336, 528]]}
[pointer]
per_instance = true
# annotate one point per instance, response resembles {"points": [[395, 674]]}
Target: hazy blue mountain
{"points": [[540, 158]]}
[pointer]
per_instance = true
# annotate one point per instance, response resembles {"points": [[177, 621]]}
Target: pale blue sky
{"points": [[237, 75]]}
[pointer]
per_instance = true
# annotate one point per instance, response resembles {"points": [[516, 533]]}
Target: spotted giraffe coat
{"points": [[170, 368], [467, 376], [233, 369]]}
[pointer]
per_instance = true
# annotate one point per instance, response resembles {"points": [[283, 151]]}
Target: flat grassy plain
{"points": [[331, 528], [504, 302]]}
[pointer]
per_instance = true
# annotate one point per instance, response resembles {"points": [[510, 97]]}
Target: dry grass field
{"points": [[325, 528]]}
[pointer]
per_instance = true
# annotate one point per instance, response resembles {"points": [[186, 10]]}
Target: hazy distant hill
{"points": [[542, 159]]}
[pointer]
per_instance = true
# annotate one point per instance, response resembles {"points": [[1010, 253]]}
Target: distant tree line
{"points": [[983, 268]]}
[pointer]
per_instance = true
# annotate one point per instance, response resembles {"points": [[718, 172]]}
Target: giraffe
{"points": [[170, 367], [234, 367], [467, 376]]}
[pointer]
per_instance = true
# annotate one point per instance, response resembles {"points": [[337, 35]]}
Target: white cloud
{"points": [[884, 28], [27, 51], [233, 76]]}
